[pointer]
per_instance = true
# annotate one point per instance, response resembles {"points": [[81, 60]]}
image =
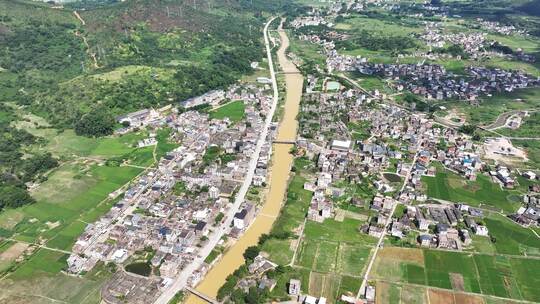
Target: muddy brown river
{"points": [[280, 168]]}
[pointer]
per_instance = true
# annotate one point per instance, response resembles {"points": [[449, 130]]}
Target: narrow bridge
{"points": [[285, 142], [202, 295], [289, 72]]}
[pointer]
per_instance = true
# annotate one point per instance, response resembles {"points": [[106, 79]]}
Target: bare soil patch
{"points": [[382, 294], [440, 297], [403, 254], [462, 298], [13, 252], [457, 281], [316, 283]]}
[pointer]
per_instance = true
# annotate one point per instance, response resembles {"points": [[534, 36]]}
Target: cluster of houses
{"points": [[295, 291], [257, 275], [212, 98], [309, 21], [172, 209], [429, 80], [141, 119], [497, 27], [412, 136], [438, 225], [434, 82], [434, 36], [529, 213]]}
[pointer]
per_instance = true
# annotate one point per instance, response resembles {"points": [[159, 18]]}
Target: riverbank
{"points": [[281, 165]]}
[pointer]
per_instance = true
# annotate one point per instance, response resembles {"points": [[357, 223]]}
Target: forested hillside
{"points": [[81, 64], [61, 66]]}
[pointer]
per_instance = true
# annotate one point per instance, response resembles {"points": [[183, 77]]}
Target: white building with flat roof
{"points": [[342, 145]]}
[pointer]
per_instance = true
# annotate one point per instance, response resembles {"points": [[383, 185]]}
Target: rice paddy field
{"points": [[512, 239], [449, 186], [331, 256], [489, 275]]}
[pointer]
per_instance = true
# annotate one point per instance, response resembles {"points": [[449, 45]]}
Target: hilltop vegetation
{"points": [[77, 71], [53, 65]]}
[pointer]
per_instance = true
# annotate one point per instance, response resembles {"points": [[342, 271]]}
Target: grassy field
{"points": [[376, 25], [491, 107], [234, 110], [66, 144], [449, 186], [532, 147], [332, 230], [39, 281], [309, 52], [529, 128], [55, 216], [502, 276], [512, 238]]}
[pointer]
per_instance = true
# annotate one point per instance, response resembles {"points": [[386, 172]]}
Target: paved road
{"points": [[381, 238], [501, 119], [181, 280]]}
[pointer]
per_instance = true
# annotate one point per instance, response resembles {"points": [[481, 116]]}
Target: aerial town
{"points": [[314, 151]]}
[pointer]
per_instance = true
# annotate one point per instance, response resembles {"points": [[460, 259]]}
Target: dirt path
{"points": [[501, 119], [85, 41]]}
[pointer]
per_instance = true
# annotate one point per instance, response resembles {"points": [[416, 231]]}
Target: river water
{"points": [[280, 168]]}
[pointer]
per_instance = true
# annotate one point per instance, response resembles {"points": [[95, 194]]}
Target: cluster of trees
{"points": [[454, 50], [14, 171], [98, 122], [471, 130], [531, 8], [35, 49], [498, 47], [415, 101], [377, 41], [44, 46]]}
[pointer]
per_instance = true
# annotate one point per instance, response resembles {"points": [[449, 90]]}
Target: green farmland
{"points": [[57, 216], [501, 276], [491, 107], [512, 238], [449, 186]]}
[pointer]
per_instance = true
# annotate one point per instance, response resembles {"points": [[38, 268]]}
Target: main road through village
{"points": [[280, 168]]}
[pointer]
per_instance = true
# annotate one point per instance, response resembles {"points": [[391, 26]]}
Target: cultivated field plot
{"points": [[500, 276], [334, 268], [449, 186], [61, 211], [389, 293], [512, 238], [39, 280], [9, 252], [332, 286], [340, 258]]}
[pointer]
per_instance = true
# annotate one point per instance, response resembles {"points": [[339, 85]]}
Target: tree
{"points": [[251, 252], [98, 122], [13, 197], [410, 98], [38, 164], [467, 129]]}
